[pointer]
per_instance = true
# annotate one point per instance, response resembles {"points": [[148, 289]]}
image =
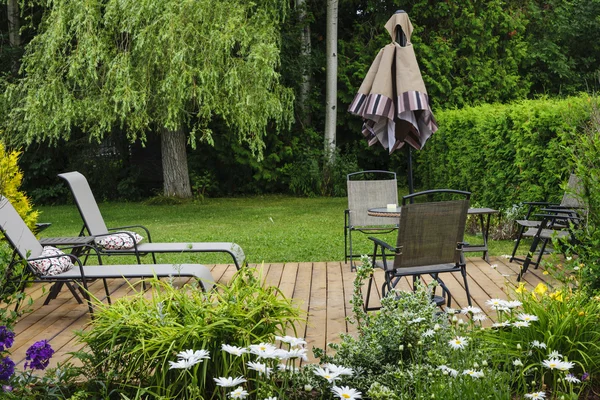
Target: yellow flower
{"points": [[581, 313], [521, 288], [558, 296], [540, 289], [545, 273]]}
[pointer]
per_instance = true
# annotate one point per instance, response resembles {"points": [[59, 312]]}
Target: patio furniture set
{"points": [[430, 229]]}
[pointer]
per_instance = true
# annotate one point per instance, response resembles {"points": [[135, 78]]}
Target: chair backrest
{"points": [[430, 233], [572, 197], [17, 232], [370, 193], [86, 203]]}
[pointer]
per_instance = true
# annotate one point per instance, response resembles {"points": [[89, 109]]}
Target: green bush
{"points": [[504, 154], [129, 344]]}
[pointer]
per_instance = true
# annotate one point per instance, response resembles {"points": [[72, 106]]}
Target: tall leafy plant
{"points": [[132, 341]]}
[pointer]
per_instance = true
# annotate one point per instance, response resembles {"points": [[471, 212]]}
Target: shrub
{"points": [[10, 182], [504, 154], [132, 341]]}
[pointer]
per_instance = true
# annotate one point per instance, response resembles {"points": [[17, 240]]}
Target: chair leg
{"points": [[463, 272], [542, 249], [536, 240], [369, 288], [352, 266], [106, 291]]}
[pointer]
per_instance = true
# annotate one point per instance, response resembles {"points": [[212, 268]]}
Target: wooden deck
{"points": [[322, 289]]}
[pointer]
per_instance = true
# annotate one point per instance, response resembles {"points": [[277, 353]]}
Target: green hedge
{"points": [[504, 154]]}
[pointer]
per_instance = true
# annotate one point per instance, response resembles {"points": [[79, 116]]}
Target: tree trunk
{"points": [[306, 51], [331, 87], [176, 178], [12, 11]]}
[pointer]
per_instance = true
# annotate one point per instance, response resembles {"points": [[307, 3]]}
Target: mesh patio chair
{"points": [[365, 192], [27, 247], [430, 241], [556, 224], [528, 228], [94, 225]]}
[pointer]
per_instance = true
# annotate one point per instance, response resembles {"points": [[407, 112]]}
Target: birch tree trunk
{"points": [[306, 51], [331, 87], [176, 178], [12, 11]]}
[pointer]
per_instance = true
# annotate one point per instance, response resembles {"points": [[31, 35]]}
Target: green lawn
{"points": [[269, 228]]}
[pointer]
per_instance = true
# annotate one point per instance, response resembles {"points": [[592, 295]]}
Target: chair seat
{"points": [[198, 271], [546, 233], [431, 269], [226, 247]]}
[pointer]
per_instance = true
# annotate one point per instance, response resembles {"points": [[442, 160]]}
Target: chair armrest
{"points": [[384, 244], [133, 226]]}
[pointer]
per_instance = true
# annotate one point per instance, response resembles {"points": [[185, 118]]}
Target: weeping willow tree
{"points": [[169, 66]]}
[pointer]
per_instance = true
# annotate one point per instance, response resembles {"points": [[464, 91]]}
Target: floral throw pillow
{"points": [[118, 241], [54, 265]]}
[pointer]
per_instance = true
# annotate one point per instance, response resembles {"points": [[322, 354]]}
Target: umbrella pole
{"points": [[411, 188]]}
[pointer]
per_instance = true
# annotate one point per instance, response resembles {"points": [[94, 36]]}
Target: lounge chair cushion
{"points": [[119, 241], [53, 265]]}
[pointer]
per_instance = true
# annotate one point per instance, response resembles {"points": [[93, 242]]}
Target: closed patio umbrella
{"points": [[392, 99]]}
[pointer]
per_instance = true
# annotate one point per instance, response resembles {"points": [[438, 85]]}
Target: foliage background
{"points": [[471, 53]]}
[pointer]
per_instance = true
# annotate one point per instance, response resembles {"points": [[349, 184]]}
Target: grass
{"points": [[270, 229]]}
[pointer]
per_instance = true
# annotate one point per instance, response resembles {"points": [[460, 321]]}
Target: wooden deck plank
{"points": [[336, 309], [317, 308], [322, 290]]}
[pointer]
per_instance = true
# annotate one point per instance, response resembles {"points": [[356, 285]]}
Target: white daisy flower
{"points": [[450, 311], [500, 324], [286, 367], [472, 373], [193, 356], [571, 378], [517, 363], [293, 353], [235, 350], [552, 363], [182, 364], [513, 304], [229, 381], [338, 369], [555, 354], [520, 324], [565, 365], [538, 344], [264, 350], [495, 303], [238, 393], [536, 395], [327, 374], [527, 317], [428, 333], [261, 368], [494, 266], [479, 317], [471, 309], [416, 320], [459, 342], [291, 340], [271, 398], [448, 371], [346, 393]]}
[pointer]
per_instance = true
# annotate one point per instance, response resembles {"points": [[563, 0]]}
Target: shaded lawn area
{"points": [[269, 228]]}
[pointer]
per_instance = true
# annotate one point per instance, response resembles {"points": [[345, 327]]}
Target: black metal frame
{"points": [[561, 218]]}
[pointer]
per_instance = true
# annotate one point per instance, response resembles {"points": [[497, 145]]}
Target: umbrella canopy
{"points": [[392, 98]]}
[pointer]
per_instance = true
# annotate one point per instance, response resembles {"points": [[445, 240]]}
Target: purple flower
{"points": [[585, 376], [38, 355], [7, 368], [7, 338], [7, 388]]}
